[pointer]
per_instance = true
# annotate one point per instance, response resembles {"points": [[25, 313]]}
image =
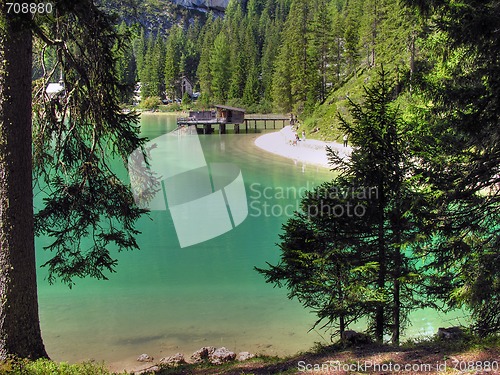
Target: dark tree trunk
{"points": [[396, 310], [342, 326], [397, 228], [412, 58], [379, 313], [374, 35], [338, 58], [397, 301], [19, 323]]}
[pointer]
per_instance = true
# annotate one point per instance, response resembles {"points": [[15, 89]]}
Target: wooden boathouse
{"points": [[224, 115]]}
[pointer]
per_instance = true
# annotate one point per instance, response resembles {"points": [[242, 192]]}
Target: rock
{"points": [[207, 4], [202, 354], [451, 333], [221, 355], [353, 337], [148, 370], [174, 360], [244, 356], [145, 358]]}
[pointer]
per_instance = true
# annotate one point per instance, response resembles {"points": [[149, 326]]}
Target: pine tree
{"points": [[352, 13], [126, 67], [235, 30], [337, 51], [346, 254], [157, 61], [369, 30], [204, 74], [190, 55], [318, 53], [67, 143], [219, 68], [291, 67], [251, 91], [146, 73], [140, 46], [173, 53], [20, 333], [461, 155], [270, 50]]}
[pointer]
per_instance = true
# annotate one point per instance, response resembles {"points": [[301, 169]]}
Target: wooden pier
{"points": [[225, 115], [283, 120]]}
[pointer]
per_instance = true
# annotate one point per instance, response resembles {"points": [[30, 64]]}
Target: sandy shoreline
{"points": [[310, 151]]}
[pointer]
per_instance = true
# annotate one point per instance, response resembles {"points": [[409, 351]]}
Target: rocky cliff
{"points": [[160, 15], [218, 5]]}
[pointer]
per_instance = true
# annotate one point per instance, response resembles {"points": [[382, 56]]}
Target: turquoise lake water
{"points": [[166, 299]]}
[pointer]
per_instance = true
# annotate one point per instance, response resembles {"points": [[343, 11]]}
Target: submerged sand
{"points": [[309, 151]]}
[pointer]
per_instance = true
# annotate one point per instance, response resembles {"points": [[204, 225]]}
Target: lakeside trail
{"points": [[310, 151]]}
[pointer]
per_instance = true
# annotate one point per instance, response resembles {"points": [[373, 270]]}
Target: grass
{"points": [[47, 367], [326, 115]]}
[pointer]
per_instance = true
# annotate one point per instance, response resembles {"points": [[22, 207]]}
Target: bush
{"points": [[150, 103], [262, 107], [186, 100], [172, 107]]}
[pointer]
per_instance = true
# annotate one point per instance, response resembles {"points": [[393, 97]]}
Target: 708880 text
{"points": [[33, 8]]}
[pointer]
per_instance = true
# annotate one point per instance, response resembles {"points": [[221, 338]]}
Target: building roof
{"points": [[231, 108], [184, 78]]}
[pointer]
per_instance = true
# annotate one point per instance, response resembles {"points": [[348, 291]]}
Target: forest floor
{"points": [[429, 357]]}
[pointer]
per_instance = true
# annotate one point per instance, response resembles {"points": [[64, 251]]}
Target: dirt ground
{"points": [[429, 358]]}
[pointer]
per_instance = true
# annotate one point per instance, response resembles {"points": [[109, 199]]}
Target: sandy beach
{"points": [[310, 151]]}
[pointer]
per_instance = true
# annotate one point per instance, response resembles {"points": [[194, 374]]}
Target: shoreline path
{"points": [[310, 151]]}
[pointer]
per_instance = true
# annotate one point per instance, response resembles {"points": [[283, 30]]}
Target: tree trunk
{"points": [[339, 46], [19, 323], [412, 58], [374, 35], [396, 309], [342, 326], [379, 313], [397, 228], [396, 312]]}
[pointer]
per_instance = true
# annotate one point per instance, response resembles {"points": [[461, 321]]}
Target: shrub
{"points": [[150, 103]]}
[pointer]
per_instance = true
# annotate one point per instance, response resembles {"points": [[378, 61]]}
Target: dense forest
{"points": [[272, 55]]}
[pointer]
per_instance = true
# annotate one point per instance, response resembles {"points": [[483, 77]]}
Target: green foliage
{"points": [[173, 57], [150, 103], [186, 100], [139, 48], [234, 32], [292, 53], [204, 74], [172, 107], [76, 137], [48, 367], [126, 66], [292, 64], [219, 68], [458, 111], [353, 13], [345, 255]]}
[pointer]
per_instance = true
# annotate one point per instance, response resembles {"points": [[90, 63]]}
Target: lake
{"points": [[166, 299]]}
